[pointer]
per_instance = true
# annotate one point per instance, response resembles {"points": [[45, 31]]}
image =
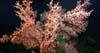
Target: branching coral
{"points": [[53, 24]]}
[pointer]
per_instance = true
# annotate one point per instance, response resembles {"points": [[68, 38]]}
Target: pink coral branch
{"points": [[57, 22]]}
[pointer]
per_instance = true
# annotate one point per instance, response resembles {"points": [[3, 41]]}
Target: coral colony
{"points": [[53, 25]]}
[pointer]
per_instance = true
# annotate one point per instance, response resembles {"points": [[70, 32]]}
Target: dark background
{"points": [[88, 41]]}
